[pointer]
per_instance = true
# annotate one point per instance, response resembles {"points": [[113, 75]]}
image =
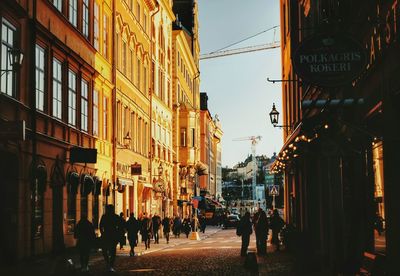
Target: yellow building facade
{"points": [[132, 187], [161, 105]]}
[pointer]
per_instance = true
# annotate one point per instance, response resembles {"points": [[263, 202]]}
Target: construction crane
{"points": [[254, 140], [236, 51], [222, 52]]}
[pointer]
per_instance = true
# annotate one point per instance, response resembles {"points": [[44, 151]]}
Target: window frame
{"points": [[57, 100], [40, 94], [72, 97], [85, 105], [11, 75]]}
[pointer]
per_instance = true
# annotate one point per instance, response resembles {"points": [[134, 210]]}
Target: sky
{"points": [[237, 87]]}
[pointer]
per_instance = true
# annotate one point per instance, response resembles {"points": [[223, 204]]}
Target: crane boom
{"points": [[248, 49]]}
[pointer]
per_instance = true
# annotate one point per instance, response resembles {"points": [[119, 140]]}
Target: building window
{"points": [[105, 118], [145, 87], [95, 112], [73, 12], [193, 137], [85, 18], [57, 89], [132, 66], [71, 98], [105, 36], [145, 22], [8, 37], [124, 57], [138, 72], [58, 4], [39, 52], [96, 26], [138, 11], [183, 137], [84, 105]]}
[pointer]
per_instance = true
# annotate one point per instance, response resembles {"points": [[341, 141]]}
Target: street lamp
{"points": [[127, 141], [15, 57], [274, 117]]}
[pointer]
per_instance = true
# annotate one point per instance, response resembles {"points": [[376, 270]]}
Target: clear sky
{"points": [[237, 86]]}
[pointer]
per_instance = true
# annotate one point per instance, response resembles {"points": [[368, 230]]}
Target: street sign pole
{"points": [[273, 202]]}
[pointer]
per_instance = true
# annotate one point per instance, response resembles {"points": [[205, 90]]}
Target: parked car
{"points": [[231, 221]]}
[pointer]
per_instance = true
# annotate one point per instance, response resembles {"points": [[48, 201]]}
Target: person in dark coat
{"points": [[186, 225], [261, 228], [146, 230], [245, 230], [277, 224], [177, 226], [122, 229], [85, 235], [166, 223], [109, 229], [133, 227], [156, 220], [203, 224]]}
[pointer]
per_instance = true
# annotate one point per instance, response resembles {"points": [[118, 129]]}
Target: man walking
{"points": [[156, 220], [146, 230], [132, 226], [166, 223], [84, 233], [245, 230], [109, 229]]}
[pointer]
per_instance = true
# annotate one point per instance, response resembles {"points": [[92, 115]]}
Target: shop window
{"points": [[40, 177], [379, 196], [72, 189]]}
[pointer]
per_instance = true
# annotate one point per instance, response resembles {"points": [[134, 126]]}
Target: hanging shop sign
{"points": [[329, 60]]}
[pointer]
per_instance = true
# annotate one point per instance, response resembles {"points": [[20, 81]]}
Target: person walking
{"points": [[85, 235], [109, 229], [122, 229], [186, 226], [177, 226], [146, 230], [156, 220], [277, 224], [261, 229], [203, 224], [245, 230], [166, 223], [133, 227]]}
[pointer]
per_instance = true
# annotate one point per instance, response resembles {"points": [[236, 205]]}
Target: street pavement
{"points": [[217, 253]]}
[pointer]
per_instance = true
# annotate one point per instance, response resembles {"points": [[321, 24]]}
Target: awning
{"points": [[124, 181], [87, 184], [73, 182], [201, 168]]}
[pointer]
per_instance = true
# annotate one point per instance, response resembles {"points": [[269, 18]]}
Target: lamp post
{"points": [[127, 142], [15, 57], [274, 117]]}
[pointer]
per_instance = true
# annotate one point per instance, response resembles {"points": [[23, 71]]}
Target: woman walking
{"points": [[261, 229]]}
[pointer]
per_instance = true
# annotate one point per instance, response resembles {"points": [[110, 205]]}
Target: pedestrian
{"points": [[133, 227], [156, 220], [166, 223], [203, 224], [244, 230], [146, 230], [186, 226], [276, 226], [261, 229], [109, 229], [122, 229], [85, 235], [177, 226]]}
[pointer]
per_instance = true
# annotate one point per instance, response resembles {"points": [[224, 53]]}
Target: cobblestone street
{"points": [[217, 253]]}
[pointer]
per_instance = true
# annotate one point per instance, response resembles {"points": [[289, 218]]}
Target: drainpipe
{"points": [[151, 90], [114, 105], [32, 60]]}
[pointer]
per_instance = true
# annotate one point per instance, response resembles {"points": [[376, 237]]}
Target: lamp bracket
{"points": [[289, 80]]}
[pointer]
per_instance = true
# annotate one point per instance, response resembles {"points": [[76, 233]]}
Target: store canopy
{"points": [[73, 182], [97, 186], [87, 184], [201, 168]]}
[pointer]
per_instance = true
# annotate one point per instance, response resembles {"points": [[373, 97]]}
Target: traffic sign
{"points": [[274, 190]]}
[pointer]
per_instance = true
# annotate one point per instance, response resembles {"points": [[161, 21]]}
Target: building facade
{"points": [[339, 156]]}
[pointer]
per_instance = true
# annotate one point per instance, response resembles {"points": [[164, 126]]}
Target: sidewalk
{"points": [[68, 262]]}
